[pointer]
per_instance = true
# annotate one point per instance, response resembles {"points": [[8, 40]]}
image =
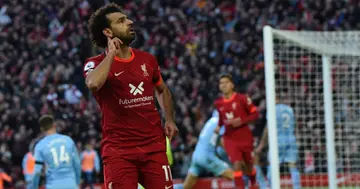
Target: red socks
{"points": [[239, 181], [252, 177]]}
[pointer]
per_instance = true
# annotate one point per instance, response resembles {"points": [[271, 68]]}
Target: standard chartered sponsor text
{"points": [[136, 102]]}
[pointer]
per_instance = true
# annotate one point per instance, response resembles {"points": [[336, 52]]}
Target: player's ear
{"points": [[108, 33]]}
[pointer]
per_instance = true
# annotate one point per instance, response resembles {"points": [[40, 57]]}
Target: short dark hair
{"points": [[98, 22], [227, 76], [46, 122]]}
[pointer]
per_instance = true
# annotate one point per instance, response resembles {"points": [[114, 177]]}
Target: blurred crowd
{"points": [[44, 44]]}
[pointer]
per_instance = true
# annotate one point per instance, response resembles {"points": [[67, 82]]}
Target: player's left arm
{"points": [[24, 166], [163, 96], [97, 162], [252, 113], [39, 162], [76, 162], [263, 141]]}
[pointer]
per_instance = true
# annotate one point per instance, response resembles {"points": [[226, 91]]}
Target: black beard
{"points": [[127, 40]]}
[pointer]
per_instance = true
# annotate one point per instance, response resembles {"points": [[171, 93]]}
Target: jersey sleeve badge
{"points": [[89, 66]]}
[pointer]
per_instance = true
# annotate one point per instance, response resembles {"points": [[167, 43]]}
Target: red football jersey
{"points": [[239, 105], [130, 121]]}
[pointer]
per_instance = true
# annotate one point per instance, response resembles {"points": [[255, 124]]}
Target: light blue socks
{"points": [[295, 177], [260, 177], [178, 186]]}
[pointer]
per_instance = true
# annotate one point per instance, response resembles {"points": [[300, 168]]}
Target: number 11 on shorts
{"points": [[167, 171]]}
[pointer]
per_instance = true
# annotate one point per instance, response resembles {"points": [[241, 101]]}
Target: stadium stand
{"points": [[44, 44]]}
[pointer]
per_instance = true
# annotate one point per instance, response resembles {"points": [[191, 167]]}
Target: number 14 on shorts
{"points": [[167, 172]]}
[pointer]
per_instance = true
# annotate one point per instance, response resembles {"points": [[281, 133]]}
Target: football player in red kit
{"points": [[236, 112], [123, 81]]}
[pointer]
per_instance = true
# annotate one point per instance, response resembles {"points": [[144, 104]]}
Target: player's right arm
{"points": [[215, 136], [39, 162], [96, 77]]}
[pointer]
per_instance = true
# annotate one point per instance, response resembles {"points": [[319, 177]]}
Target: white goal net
{"points": [[298, 64]]}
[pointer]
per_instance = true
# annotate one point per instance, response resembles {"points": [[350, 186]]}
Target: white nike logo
{"points": [[168, 187], [117, 74]]}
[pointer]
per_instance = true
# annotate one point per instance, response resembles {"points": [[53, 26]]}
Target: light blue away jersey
{"points": [[285, 119], [206, 134], [59, 155]]}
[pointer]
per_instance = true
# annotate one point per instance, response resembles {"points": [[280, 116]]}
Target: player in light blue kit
{"points": [[288, 151], [59, 155], [204, 157], [220, 151]]}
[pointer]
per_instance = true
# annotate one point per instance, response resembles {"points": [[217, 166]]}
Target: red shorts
{"points": [[238, 152], [151, 170]]}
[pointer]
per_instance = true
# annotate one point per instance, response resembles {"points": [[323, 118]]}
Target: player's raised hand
{"points": [[114, 43], [171, 129]]}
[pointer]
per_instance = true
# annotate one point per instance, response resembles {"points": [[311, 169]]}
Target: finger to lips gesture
{"points": [[114, 43]]}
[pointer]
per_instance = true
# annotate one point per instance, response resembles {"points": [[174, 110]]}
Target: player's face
{"points": [[225, 85], [121, 27]]}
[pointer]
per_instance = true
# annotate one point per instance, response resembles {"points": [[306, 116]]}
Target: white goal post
{"points": [[318, 75]]}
